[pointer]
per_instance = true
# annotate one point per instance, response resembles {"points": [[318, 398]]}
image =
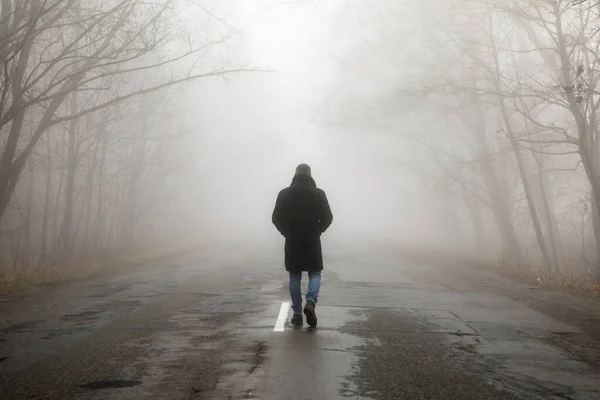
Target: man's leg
{"points": [[314, 285], [296, 296], [312, 296]]}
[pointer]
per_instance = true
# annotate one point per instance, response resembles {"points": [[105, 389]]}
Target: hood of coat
{"points": [[303, 180]]}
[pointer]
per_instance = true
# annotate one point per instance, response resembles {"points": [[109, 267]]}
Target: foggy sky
{"points": [[442, 122], [252, 130]]}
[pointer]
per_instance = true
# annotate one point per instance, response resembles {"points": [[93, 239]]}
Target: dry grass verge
{"points": [[16, 282], [570, 282], [561, 281]]}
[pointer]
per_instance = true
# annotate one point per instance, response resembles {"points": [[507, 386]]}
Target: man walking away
{"points": [[301, 215]]}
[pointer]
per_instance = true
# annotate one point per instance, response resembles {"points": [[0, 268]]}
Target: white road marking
{"points": [[283, 313]]}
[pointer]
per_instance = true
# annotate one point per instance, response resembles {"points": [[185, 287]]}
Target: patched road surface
{"points": [[204, 326]]}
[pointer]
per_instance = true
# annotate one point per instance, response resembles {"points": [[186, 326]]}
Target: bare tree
{"points": [[42, 66], [514, 84], [75, 82]]}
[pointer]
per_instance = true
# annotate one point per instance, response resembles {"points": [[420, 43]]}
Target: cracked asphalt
{"points": [[391, 326]]}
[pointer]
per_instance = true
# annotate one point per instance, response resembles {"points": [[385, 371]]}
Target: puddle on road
{"points": [[305, 362], [181, 364], [201, 348]]}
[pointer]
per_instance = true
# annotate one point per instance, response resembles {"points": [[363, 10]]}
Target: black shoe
{"points": [[297, 320], [309, 311]]}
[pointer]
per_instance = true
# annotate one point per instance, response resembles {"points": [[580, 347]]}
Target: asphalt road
{"points": [[203, 326]]}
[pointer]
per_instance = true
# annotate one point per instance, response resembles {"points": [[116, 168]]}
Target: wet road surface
{"points": [[203, 326]]}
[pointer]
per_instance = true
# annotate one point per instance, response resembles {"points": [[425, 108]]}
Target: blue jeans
{"points": [[312, 294]]}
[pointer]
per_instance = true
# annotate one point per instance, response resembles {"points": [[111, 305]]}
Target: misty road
{"points": [[457, 144], [202, 326]]}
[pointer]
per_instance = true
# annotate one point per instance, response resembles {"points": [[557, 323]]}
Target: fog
{"points": [[260, 126], [443, 124]]}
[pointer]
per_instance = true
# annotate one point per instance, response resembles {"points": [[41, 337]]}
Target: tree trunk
{"points": [[539, 234], [132, 197], [66, 237], [505, 115], [498, 198], [587, 141], [99, 228], [548, 208], [478, 227], [10, 169], [28, 240], [595, 200], [89, 188], [47, 197]]}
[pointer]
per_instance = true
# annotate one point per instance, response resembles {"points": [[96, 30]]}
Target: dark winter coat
{"points": [[301, 215]]}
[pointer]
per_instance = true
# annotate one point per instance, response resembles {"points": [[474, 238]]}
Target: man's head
{"points": [[303, 170]]}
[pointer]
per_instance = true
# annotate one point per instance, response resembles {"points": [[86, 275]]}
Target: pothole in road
{"points": [[111, 384]]}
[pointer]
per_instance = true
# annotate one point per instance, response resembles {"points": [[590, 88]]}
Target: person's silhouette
{"points": [[301, 215]]}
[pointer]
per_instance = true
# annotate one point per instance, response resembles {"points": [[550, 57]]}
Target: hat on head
{"points": [[303, 169]]}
